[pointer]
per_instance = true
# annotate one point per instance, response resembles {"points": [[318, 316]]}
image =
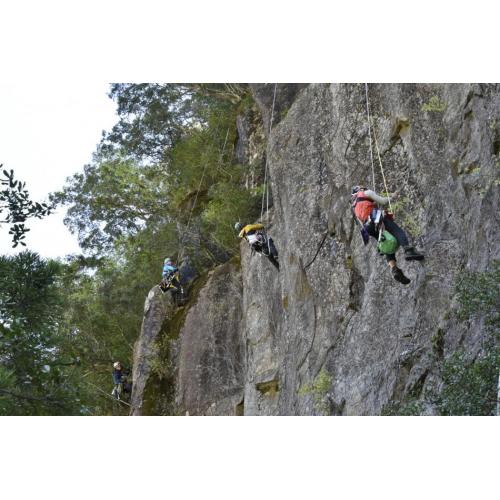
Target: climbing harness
{"points": [[166, 284]]}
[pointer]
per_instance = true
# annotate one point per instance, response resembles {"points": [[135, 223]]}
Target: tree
{"points": [[470, 383], [113, 198], [152, 117], [190, 171], [35, 378], [14, 199]]}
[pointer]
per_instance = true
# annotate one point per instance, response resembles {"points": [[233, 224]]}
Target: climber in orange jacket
{"points": [[365, 205]]}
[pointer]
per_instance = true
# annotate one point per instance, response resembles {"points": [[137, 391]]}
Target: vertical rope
{"points": [[265, 192], [382, 169], [370, 135], [182, 240], [378, 150]]}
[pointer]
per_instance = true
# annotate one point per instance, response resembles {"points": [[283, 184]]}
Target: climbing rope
{"points": [[265, 192], [107, 395], [370, 135], [370, 125], [219, 166]]}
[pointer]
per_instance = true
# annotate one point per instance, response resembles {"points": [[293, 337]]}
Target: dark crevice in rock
{"points": [[239, 410], [322, 242]]}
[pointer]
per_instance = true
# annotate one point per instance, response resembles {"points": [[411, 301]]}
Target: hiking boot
{"points": [[399, 276], [412, 254]]}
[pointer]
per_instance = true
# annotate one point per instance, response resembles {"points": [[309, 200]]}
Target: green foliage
{"points": [[162, 182], [36, 375], [437, 343], [14, 199], [228, 203], [408, 216], [403, 409], [470, 384], [118, 200], [319, 389], [152, 118], [435, 105], [479, 295], [470, 387], [113, 198]]}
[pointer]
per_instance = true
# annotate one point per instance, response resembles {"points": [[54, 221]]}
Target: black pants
{"points": [[267, 248], [394, 229]]}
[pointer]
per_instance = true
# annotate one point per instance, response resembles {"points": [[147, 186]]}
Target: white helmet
{"points": [[168, 260], [116, 364]]}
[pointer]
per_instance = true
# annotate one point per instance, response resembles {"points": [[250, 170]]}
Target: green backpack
{"points": [[387, 244]]}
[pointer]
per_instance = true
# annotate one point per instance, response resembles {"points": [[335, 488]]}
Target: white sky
{"points": [[48, 131]]}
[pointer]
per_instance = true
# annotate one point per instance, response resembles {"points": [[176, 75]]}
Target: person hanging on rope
{"points": [[170, 275], [375, 223], [117, 380], [257, 238], [120, 381]]}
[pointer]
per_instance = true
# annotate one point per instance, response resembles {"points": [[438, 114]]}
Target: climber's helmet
{"points": [[117, 365], [168, 261], [238, 226], [356, 189]]}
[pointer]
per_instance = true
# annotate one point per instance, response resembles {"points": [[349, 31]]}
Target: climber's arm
{"points": [[376, 198]]}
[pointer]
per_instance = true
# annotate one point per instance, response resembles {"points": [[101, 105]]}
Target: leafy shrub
{"points": [[470, 385]]}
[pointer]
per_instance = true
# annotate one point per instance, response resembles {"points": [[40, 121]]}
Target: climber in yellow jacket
{"points": [[256, 236]]}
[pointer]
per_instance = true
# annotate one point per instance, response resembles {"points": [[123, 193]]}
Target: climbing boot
{"points": [[399, 276], [412, 254]]}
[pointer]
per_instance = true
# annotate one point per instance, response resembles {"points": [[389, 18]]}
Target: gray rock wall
{"points": [[332, 332], [343, 318], [158, 308], [211, 365]]}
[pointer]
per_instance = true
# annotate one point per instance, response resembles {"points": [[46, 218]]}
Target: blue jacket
{"points": [[117, 377], [167, 269]]}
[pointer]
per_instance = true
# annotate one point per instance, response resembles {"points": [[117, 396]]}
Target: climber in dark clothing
{"points": [[256, 236], [117, 380], [365, 203], [120, 380]]}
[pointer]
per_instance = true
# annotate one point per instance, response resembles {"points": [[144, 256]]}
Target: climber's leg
{"points": [[397, 273], [274, 262], [372, 230], [412, 254], [396, 231], [400, 235], [272, 249]]}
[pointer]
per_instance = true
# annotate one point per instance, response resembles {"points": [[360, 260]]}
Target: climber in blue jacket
{"points": [[170, 276], [169, 268]]}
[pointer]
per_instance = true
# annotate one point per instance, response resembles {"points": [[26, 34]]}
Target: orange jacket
{"points": [[363, 206]]}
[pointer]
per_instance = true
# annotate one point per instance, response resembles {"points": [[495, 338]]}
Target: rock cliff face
{"points": [[159, 307], [332, 332]]}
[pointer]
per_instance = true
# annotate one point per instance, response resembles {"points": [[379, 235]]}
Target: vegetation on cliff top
{"points": [[164, 181]]}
